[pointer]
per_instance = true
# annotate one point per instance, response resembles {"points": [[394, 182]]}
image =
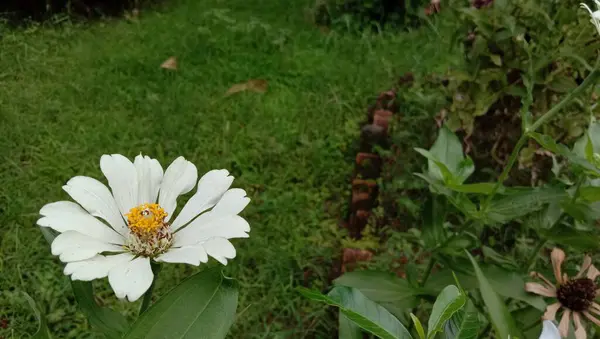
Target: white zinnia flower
{"points": [[595, 15], [136, 229]]}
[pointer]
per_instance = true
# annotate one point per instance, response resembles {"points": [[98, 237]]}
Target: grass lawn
{"points": [[72, 93]]}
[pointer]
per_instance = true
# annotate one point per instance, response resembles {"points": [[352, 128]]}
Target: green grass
{"points": [[72, 93]]}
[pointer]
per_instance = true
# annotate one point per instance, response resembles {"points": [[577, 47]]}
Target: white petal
{"points": [[192, 255], [211, 188], [96, 267], [122, 179], [92, 195], [180, 178], [150, 174], [131, 279], [64, 216], [232, 202], [209, 226], [220, 249], [74, 246], [549, 330]]}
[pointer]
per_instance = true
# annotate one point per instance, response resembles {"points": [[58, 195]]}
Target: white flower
{"points": [[595, 15], [549, 330], [117, 234]]}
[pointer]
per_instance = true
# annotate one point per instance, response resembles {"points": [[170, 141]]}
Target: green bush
{"points": [[17, 10], [368, 13]]}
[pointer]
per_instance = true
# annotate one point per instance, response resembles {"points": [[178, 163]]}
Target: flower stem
{"points": [[148, 295], [428, 270], [534, 256], [589, 81]]}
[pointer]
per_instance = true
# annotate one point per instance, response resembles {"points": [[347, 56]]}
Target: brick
{"points": [[382, 119], [368, 165]]}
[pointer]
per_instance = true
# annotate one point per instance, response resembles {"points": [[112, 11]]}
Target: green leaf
{"points": [[436, 169], [591, 194], [465, 169], [384, 288], [348, 329], [562, 83], [42, 332], [568, 236], [202, 306], [447, 303], [367, 314], [503, 323], [447, 149], [510, 284], [418, 326], [496, 59], [105, 320], [518, 204], [573, 156], [434, 217], [481, 188], [464, 324]]}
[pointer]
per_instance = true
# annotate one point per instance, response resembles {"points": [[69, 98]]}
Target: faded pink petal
{"points": [[543, 278], [540, 289], [591, 318], [551, 311], [587, 262], [595, 306], [557, 256], [579, 329], [563, 327], [593, 273]]}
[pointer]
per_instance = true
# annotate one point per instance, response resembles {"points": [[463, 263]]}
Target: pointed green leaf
{"points": [[502, 322], [518, 204], [446, 304], [364, 312], [464, 324], [348, 329], [384, 288], [105, 320], [202, 307], [434, 217], [481, 188], [42, 332], [418, 326]]}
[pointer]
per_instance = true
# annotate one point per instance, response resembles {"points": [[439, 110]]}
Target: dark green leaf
{"points": [[49, 234], [464, 324], [568, 236], [581, 211], [105, 320], [348, 329], [482, 188], [436, 169], [465, 169], [384, 288], [202, 306], [503, 323], [562, 83], [519, 204], [497, 258], [42, 332], [364, 312], [573, 156], [510, 284], [434, 217], [447, 303]]}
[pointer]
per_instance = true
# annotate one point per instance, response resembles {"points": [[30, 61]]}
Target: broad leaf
{"points": [[447, 150], [447, 303], [348, 329], [464, 324], [480, 188], [511, 285], [568, 236], [105, 320], [42, 332], [367, 314], [590, 193], [573, 156], [202, 306], [503, 323], [522, 203], [384, 288]]}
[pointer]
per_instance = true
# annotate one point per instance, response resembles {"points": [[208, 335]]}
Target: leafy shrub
{"points": [[16, 10], [367, 13]]}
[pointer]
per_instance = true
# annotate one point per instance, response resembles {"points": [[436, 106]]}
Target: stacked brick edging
{"points": [[368, 167]]}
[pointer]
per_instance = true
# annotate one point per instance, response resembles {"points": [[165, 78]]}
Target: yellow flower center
{"points": [[146, 220]]}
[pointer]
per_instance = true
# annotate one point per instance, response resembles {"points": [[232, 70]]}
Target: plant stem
{"points": [[428, 270], [589, 80], [148, 295], [533, 259]]}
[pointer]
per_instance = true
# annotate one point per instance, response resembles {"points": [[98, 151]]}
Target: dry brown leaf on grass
{"points": [[170, 63], [254, 85]]}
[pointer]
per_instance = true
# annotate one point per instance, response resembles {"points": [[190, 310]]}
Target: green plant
{"points": [[463, 210]]}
